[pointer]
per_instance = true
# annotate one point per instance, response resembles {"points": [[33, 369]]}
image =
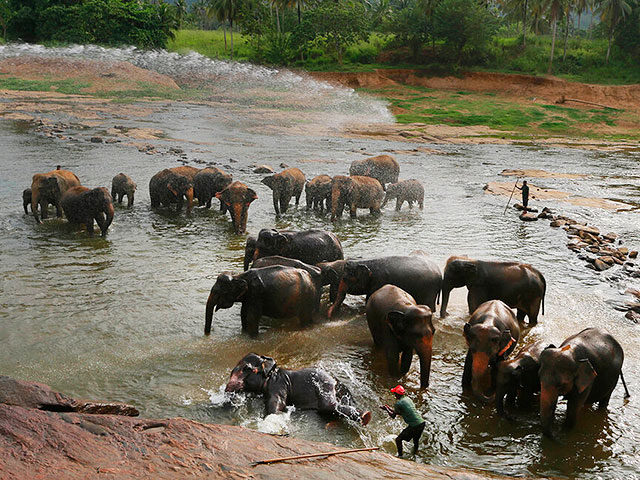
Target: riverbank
{"points": [[472, 109], [44, 436]]}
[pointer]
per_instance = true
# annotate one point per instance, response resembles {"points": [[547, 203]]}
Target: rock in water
{"points": [[528, 217], [600, 265], [263, 169]]}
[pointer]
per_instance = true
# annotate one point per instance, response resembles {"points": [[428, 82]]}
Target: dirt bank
{"points": [[549, 89], [92, 76], [44, 436]]}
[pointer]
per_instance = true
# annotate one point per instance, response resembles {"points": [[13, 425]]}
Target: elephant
{"points": [[491, 333], [48, 188], [318, 192], [308, 246], [286, 184], [584, 369], [315, 272], [170, 186], [416, 274], [519, 285], [406, 191], [276, 291], [518, 377], [237, 198], [306, 389], [249, 251], [83, 205], [400, 326], [122, 185], [383, 168], [209, 181], [355, 192], [26, 199]]}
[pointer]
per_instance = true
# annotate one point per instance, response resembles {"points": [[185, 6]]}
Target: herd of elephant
{"points": [[285, 271], [363, 188]]}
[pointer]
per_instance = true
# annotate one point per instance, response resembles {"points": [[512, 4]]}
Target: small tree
{"points": [[461, 23], [6, 12], [612, 13], [334, 25]]}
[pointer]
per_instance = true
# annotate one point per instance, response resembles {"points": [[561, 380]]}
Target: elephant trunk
{"points": [[548, 401], [501, 392], [342, 293], [336, 204], [480, 375], [424, 349], [235, 383], [446, 290], [208, 317], [189, 195], [109, 211]]}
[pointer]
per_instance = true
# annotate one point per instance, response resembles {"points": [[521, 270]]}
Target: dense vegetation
{"points": [[109, 22], [590, 40]]}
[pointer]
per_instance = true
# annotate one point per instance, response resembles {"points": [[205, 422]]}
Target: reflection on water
{"points": [[121, 318]]}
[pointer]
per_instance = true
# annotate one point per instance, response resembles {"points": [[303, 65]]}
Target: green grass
{"points": [[210, 43], [462, 109], [62, 86]]}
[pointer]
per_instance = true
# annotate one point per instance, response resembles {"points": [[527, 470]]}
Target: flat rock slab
{"points": [[528, 217], [62, 445]]}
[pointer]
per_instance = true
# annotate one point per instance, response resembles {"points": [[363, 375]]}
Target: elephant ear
{"points": [[256, 284], [269, 181], [280, 241], [268, 364], [363, 273], [470, 271], [467, 332], [239, 287], [396, 322], [250, 195], [506, 342], [585, 375]]}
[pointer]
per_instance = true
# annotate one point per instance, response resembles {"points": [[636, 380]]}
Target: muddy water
{"points": [[122, 318]]}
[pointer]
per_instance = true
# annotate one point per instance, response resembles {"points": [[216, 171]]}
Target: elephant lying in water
{"points": [[276, 291], [306, 389]]}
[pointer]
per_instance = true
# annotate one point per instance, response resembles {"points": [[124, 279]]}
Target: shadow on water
{"points": [[122, 318]]}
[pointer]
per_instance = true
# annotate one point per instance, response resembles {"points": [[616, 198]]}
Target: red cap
{"points": [[399, 389]]}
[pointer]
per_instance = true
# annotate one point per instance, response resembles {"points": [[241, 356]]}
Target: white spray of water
{"points": [[228, 76]]}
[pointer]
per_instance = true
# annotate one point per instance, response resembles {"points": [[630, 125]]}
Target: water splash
{"points": [[242, 83]]}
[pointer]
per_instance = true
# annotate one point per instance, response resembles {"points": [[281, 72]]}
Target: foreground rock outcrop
{"points": [[43, 435]]}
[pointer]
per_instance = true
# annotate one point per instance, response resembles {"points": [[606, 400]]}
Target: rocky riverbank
{"points": [[48, 435]]}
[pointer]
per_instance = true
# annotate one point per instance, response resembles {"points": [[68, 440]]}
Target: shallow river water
{"points": [[122, 318]]}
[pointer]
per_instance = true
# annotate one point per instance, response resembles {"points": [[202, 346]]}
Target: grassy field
{"points": [[584, 60], [210, 43], [517, 119]]}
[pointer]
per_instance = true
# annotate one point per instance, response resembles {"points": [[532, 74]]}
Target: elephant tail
{"points": [[438, 297], [544, 293], [624, 384]]}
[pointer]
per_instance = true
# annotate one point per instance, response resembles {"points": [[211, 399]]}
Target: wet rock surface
{"points": [[61, 444]]}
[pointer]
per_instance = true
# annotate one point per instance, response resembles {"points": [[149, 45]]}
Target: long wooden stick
{"points": [[311, 455], [512, 190], [564, 99]]}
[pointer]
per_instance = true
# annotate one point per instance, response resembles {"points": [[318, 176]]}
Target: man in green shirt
{"points": [[415, 423]]}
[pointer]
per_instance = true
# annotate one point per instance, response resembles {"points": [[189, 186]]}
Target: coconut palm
{"points": [[555, 11], [612, 12], [181, 11], [225, 10]]}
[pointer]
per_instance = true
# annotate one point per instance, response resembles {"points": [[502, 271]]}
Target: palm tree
{"points": [[181, 11], [225, 10], [581, 6], [611, 12], [567, 15], [555, 10]]}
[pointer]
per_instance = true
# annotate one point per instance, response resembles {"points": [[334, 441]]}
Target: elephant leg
{"points": [[90, 226], [208, 204], [410, 203], [352, 210], [466, 374], [520, 315], [298, 198], [284, 203], [405, 361], [306, 315], [398, 204], [179, 204], [534, 309], [223, 207], [574, 404], [252, 319], [243, 316], [44, 209], [603, 403], [275, 203], [421, 204], [130, 200], [392, 352], [58, 210], [333, 292]]}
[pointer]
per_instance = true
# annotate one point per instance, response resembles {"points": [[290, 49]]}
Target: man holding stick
{"points": [[525, 194], [415, 423]]}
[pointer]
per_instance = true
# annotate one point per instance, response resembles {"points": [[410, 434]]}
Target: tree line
{"points": [[455, 32]]}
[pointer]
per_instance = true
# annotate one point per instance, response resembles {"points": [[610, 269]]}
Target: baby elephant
{"points": [[82, 205], [26, 199], [122, 185], [306, 389], [400, 327], [519, 378], [276, 291], [406, 191]]}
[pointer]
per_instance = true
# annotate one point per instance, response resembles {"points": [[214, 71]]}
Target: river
{"points": [[122, 318]]}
